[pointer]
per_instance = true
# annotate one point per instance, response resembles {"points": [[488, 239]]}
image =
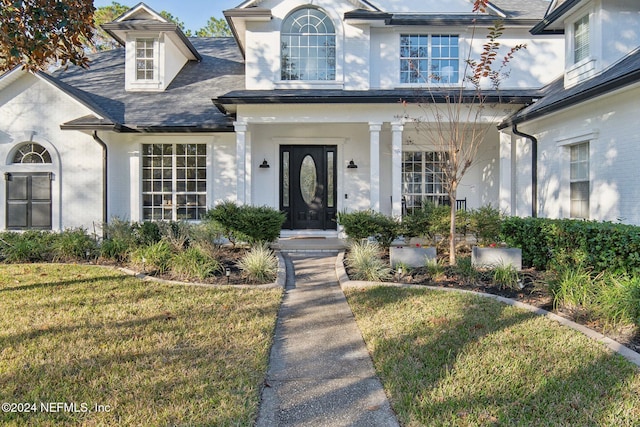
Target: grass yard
{"points": [[462, 360], [150, 354]]}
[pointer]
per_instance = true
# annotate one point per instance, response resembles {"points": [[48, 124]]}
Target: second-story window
{"points": [[581, 39], [308, 46], [429, 58], [145, 59]]}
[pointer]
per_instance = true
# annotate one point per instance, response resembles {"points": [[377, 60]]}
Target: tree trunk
{"points": [[452, 226]]}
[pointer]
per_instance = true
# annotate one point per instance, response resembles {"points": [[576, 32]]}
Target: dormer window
{"points": [[308, 46], [581, 39], [145, 59]]}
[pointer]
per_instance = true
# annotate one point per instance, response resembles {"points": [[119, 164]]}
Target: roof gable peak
{"points": [[141, 12]]}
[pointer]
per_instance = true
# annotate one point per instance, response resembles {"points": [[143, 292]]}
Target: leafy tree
{"points": [[36, 33], [103, 15], [457, 125], [169, 17], [216, 27]]}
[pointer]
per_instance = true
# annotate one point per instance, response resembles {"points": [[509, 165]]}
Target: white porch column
{"points": [[241, 161], [507, 178], [396, 169], [374, 147]]}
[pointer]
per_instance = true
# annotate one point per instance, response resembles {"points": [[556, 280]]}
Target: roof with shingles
{"points": [[186, 103], [556, 97]]}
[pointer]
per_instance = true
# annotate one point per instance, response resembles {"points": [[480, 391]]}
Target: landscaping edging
{"points": [[279, 282], [613, 345]]}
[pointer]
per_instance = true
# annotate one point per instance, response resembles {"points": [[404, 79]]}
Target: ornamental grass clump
{"points": [[156, 257], [505, 276], [365, 262], [195, 262], [259, 264]]}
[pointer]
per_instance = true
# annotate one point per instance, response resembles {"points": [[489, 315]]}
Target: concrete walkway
{"points": [[320, 372]]}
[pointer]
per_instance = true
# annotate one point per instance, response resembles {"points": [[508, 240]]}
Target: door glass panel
{"points": [[40, 187], [330, 201], [285, 179], [308, 179]]}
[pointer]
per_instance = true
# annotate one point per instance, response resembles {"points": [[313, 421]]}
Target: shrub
{"points": [[601, 245], [260, 264], [120, 239], [147, 233], [195, 262], [255, 224], [485, 224], [73, 245], [177, 234], [465, 269], [157, 256], [364, 260], [30, 246], [361, 225]]}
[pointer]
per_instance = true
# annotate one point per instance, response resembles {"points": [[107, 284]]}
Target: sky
{"points": [[194, 13]]}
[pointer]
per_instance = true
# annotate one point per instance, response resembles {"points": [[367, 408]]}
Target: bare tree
{"points": [[457, 120]]}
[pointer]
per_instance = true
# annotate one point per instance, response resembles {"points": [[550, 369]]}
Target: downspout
{"points": [[534, 169], [104, 175]]}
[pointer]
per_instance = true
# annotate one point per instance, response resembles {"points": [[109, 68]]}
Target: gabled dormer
{"points": [[156, 49], [597, 33]]}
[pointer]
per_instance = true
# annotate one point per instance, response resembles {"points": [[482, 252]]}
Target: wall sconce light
{"points": [[264, 164], [352, 165]]}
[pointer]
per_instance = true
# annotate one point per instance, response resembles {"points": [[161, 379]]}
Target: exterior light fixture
{"points": [[227, 272], [352, 165], [264, 164]]}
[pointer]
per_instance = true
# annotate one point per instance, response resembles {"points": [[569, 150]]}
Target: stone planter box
{"points": [[411, 256], [493, 257]]}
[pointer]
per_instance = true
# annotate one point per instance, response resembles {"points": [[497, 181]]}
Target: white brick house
{"points": [[280, 115], [586, 126]]}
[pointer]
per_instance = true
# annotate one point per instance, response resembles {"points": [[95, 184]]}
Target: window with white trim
{"points": [[174, 181], [423, 178], [145, 59], [308, 46], [579, 180], [429, 58], [581, 39]]}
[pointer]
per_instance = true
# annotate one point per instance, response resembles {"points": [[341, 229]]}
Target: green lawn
{"points": [[149, 353], [462, 360]]}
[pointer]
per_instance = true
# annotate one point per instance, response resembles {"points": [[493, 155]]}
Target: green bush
{"points": [[178, 234], [365, 261], [255, 224], [364, 224], [260, 264], [485, 223], [30, 246], [146, 233], [73, 245], [194, 262], [603, 246], [157, 256], [120, 239]]}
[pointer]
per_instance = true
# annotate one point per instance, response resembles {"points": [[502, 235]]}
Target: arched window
{"points": [[32, 153], [308, 46]]}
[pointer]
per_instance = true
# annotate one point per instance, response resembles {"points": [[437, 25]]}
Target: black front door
{"points": [[308, 186]]}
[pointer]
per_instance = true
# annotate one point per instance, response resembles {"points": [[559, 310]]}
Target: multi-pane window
{"points": [[32, 153], [423, 178], [581, 39], [308, 46], [174, 181], [145, 59], [579, 180], [429, 58]]}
